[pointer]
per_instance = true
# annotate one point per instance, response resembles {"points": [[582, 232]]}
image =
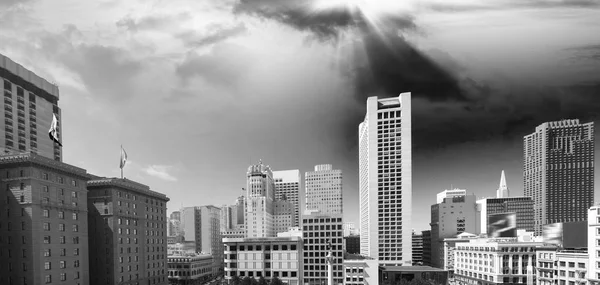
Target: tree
{"points": [[247, 281], [235, 280], [276, 281], [262, 281]]}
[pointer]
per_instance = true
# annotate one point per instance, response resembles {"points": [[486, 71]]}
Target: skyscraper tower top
{"points": [[502, 191]]}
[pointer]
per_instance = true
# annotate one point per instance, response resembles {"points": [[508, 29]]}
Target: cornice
{"points": [[41, 161], [125, 184]]}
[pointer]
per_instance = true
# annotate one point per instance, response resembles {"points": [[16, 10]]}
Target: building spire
{"points": [[502, 191]]}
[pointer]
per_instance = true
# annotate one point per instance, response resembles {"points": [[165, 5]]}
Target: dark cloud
{"points": [[153, 22], [214, 34], [223, 65], [586, 53]]}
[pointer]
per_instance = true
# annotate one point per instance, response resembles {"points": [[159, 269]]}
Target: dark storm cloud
{"points": [[215, 34], [448, 108]]}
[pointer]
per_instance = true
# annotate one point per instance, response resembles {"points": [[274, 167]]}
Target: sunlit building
{"points": [[324, 190]]}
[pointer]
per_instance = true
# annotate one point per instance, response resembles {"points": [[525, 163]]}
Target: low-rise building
{"points": [[557, 266], [233, 233], [269, 257], [450, 247], [360, 270], [189, 268], [391, 275]]}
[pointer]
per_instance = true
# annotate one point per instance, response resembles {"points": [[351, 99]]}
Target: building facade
{"points": [[350, 229], [287, 187], [319, 230], [324, 190], [557, 266], [521, 206], [43, 221], [449, 246], [352, 244], [385, 180], [360, 271], [29, 103], [284, 214], [417, 248], [260, 198], [558, 171], [128, 233], [593, 245], [455, 215], [202, 232], [279, 257], [496, 261], [426, 247], [190, 269]]}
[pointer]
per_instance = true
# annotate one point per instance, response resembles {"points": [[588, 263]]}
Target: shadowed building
{"points": [[287, 183], [128, 235], [558, 171], [43, 222], [417, 248], [426, 247]]}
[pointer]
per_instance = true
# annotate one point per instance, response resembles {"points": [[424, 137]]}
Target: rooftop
{"points": [[412, 268]]}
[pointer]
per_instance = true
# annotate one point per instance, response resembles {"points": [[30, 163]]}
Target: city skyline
{"points": [[310, 117]]}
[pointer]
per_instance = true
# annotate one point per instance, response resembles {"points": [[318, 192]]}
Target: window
{"points": [[46, 239], [75, 216], [45, 188], [48, 278], [62, 240], [46, 226], [46, 213], [61, 214], [61, 227], [75, 228], [74, 194], [76, 252], [47, 253], [45, 176], [61, 180], [63, 276], [47, 265], [63, 264]]}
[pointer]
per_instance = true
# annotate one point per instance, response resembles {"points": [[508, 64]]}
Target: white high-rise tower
{"points": [[385, 174], [502, 191]]}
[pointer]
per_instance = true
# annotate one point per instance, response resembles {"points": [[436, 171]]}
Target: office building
{"points": [[426, 247], [202, 232], [43, 221], [417, 248], [283, 216], [270, 257], [558, 171], [287, 187], [350, 229], [324, 190], [29, 103], [260, 197], [352, 244], [557, 266], [496, 261], [317, 230], [449, 194], [385, 180], [128, 235], [456, 214], [522, 207], [189, 268], [360, 271]]}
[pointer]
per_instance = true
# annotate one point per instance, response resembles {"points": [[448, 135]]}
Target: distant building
{"points": [[324, 190], [362, 271], [283, 216], [350, 229], [385, 180], [558, 171], [43, 221], [270, 257], [521, 206], [189, 268], [593, 244], [235, 233], [561, 266], [202, 232], [449, 249], [352, 244], [260, 197], [449, 194], [426, 247], [417, 248], [287, 187], [317, 230], [174, 224], [29, 103], [456, 214], [127, 232]]}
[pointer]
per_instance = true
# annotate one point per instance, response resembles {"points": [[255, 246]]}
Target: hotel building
{"points": [[29, 102], [324, 190], [270, 257], [128, 235], [287, 187], [43, 221], [558, 171], [385, 180]]}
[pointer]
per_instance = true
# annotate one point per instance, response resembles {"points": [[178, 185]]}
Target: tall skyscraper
{"points": [[287, 183], [260, 196], [127, 231], [385, 175], [201, 227], [558, 171], [502, 191], [43, 222], [29, 102], [453, 216], [324, 190]]}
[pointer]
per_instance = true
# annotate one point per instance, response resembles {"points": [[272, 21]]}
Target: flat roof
{"points": [[412, 268]]}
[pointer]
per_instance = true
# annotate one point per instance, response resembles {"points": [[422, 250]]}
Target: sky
{"points": [[196, 91]]}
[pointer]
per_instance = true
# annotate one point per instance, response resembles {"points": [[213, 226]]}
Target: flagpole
{"points": [[122, 162]]}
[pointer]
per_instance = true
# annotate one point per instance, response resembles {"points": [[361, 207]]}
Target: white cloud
{"points": [[160, 171]]}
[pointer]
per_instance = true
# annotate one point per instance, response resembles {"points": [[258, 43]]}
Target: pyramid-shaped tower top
{"points": [[503, 188]]}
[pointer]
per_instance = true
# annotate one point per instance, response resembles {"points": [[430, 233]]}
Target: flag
{"points": [[123, 158], [52, 133]]}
